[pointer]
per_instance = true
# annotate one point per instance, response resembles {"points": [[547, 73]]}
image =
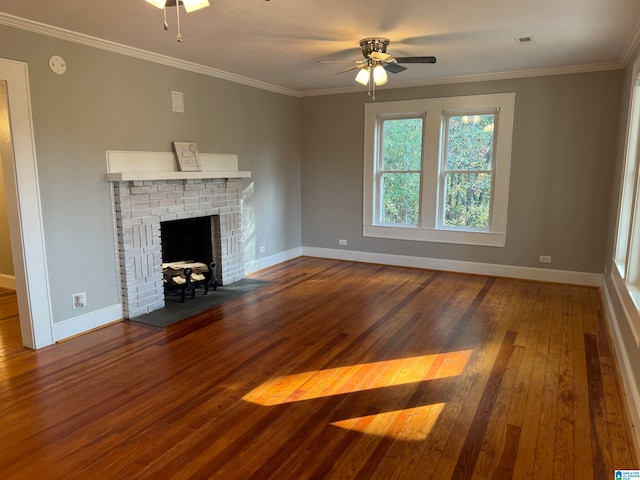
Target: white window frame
{"points": [[444, 170], [380, 162], [434, 110], [625, 270]]}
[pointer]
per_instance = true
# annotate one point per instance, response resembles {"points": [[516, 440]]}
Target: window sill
{"points": [[485, 239]]}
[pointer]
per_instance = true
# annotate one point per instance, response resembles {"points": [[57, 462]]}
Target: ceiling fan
{"points": [[377, 62]]}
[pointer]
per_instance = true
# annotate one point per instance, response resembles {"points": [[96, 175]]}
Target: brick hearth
{"points": [[139, 208]]}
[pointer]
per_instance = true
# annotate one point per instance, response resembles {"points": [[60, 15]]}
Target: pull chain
{"points": [[372, 83], [179, 37]]}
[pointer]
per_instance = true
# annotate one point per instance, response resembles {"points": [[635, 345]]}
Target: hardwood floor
{"points": [[334, 370]]}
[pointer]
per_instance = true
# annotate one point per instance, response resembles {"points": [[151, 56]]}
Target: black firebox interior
{"points": [[187, 240]]}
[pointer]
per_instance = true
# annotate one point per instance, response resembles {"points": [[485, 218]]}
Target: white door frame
{"points": [[24, 210]]}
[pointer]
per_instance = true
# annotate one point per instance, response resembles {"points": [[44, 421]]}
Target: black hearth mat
{"points": [[174, 311]]}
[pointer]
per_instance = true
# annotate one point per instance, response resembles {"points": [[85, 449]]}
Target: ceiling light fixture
{"points": [[373, 74], [380, 75], [363, 76], [189, 6], [372, 69]]}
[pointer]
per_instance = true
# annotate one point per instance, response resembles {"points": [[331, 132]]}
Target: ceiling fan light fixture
{"points": [[380, 75], [157, 3], [189, 6], [376, 63], [363, 76], [193, 5]]}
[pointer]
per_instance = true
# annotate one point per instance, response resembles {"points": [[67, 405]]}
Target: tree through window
{"points": [[467, 171], [400, 170]]}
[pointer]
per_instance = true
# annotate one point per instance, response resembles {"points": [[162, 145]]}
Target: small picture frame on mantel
{"points": [[187, 153]]}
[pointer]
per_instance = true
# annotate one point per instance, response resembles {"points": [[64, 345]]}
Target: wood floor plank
{"points": [[547, 426], [333, 370], [498, 453], [583, 466], [565, 421], [468, 456], [528, 395]]}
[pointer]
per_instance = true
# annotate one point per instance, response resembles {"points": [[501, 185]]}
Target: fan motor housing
{"points": [[373, 44]]}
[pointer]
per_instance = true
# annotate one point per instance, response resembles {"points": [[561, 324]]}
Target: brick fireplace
{"points": [[142, 202]]}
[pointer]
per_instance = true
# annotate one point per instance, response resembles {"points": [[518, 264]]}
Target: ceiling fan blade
{"points": [[348, 69], [338, 61], [416, 59], [394, 68]]}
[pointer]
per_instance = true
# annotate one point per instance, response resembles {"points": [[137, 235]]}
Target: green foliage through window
{"points": [[402, 144], [468, 171], [400, 198], [400, 168]]}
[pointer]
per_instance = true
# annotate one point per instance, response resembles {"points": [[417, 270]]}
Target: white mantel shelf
{"points": [[140, 176], [140, 166]]}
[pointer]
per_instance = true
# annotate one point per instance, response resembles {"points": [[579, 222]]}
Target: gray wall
{"points": [[108, 101], [564, 137]]}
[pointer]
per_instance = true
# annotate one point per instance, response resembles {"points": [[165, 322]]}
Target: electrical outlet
{"points": [[263, 249], [342, 241], [545, 258], [79, 300]]}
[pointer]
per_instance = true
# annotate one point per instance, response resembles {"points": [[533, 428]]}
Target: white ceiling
{"points": [[278, 41]]}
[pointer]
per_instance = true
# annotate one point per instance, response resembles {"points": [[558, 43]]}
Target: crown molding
{"points": [[632, 46], [87, 40]]}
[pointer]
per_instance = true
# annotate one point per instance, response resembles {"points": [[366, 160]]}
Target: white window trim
{"points": [[443, 168], [434, 108], [625, 268]]}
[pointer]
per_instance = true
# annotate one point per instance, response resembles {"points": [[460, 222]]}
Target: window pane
{"points": [[467, 198], [470, 142], [402, 144], [400, 198]]}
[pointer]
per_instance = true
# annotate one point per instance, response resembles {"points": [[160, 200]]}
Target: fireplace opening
{"points": [[191, 239], [188, 255]]}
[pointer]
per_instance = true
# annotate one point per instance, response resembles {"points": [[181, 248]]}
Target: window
{"points": [[467, 171], [438, 169], [626, 262], [400, 170]]}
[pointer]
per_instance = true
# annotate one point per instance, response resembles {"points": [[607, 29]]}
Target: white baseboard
{"points": [[84, 323], [272, 260], [624, 365], [89, 321], [525, 273], [7, 281]]}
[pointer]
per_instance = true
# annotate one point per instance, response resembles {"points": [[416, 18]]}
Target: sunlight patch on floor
{"points": [[412, 425], [356, 378]]}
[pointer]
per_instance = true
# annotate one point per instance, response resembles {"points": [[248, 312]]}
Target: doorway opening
{"points": [[22, 195]]}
